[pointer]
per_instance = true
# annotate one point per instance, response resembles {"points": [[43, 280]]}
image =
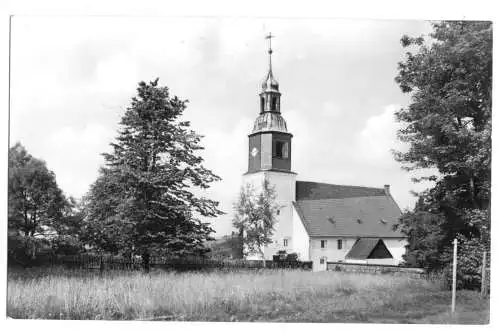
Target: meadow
{"points": [[265, 295]]}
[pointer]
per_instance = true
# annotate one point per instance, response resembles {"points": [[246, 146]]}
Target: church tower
{"points": [[270, 157]]}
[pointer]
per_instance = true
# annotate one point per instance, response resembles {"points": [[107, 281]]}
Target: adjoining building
{"points": [[321, 222]]}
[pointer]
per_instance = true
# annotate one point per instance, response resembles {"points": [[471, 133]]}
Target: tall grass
{"points": [[216, 296]]}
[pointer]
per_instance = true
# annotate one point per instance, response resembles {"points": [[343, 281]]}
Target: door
{"points": [[322, 263]]}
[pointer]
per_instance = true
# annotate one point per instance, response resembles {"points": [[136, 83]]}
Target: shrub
{"points": [[469, 263], [67, 245]]}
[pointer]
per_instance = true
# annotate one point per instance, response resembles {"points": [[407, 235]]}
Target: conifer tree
{"points": [[143, 201]]}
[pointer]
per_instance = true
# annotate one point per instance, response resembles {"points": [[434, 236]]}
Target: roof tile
{"points": [[346, 212], [314, 191]]}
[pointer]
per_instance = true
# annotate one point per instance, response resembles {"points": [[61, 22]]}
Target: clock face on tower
{"points": [[254, 151]]}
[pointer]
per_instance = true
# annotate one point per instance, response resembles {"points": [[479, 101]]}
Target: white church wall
{"points": [[284, 185], [331, 252], [395, 245], [397, 248], [300, 238]]}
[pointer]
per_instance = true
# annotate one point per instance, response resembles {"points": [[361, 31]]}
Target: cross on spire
{"points": [[269, 37]]}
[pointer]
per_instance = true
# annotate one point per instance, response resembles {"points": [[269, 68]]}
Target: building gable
{"points": [[369, 248]]}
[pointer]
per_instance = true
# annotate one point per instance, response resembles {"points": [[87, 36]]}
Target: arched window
{"points": [[278, 149], [285, 150], [274, 102]]}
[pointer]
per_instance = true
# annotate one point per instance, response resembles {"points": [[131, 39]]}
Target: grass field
{"points": [[291, 296]]}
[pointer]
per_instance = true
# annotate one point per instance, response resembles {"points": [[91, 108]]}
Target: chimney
{"points": [[387, 189]]}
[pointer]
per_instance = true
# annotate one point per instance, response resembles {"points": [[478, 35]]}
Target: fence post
{"points": [[101, 265], [483, 276], [454, 287]]}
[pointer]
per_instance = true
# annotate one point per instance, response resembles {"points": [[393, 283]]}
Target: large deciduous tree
{"points": [[36, 205], [143, 201], [448, 123], [426, 237], [255, 217]]}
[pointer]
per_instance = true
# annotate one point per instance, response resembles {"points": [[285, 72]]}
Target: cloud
{"points": [[73, 155], [330, 109], [73, 77], [226, 155], [378, 137], [374, 144]]}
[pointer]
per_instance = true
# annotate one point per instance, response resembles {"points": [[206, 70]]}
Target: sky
{"points": [[72, 79]]}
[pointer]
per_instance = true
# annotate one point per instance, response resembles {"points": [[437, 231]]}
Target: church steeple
{"points": [[270, 94], [270, 141], [270, 159]]}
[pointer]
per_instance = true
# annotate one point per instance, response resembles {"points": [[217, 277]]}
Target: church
{"points": [[318, 221]]}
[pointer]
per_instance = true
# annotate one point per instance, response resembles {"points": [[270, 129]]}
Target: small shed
{"points": [[369, 250]]}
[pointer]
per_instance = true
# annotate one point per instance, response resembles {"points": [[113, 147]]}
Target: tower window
{"points": [[262, 103], [323, 243], [285, 150], [274, 102], [339, 244], [285, 242], [281, 149]]}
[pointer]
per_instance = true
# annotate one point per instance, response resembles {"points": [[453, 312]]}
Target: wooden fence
{"points": [[106, 262]]}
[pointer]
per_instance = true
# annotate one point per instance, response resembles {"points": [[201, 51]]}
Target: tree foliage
{"points": [[143, 200], [36, 203], [37, 207], [226, 247], [448, 128], [469, 262], [103, 227], [426, 237], [256, 217]]}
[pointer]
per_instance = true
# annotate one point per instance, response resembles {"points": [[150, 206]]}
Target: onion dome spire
{"points": [[270, 118], [270, 83]]}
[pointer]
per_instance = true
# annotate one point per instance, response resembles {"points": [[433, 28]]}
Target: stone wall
{"points": [[376, 269]]}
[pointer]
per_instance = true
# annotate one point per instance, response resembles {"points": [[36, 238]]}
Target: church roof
{"points": [[366, 248], [333, 210], [270, 84], [269, 121], [314, 190]]}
